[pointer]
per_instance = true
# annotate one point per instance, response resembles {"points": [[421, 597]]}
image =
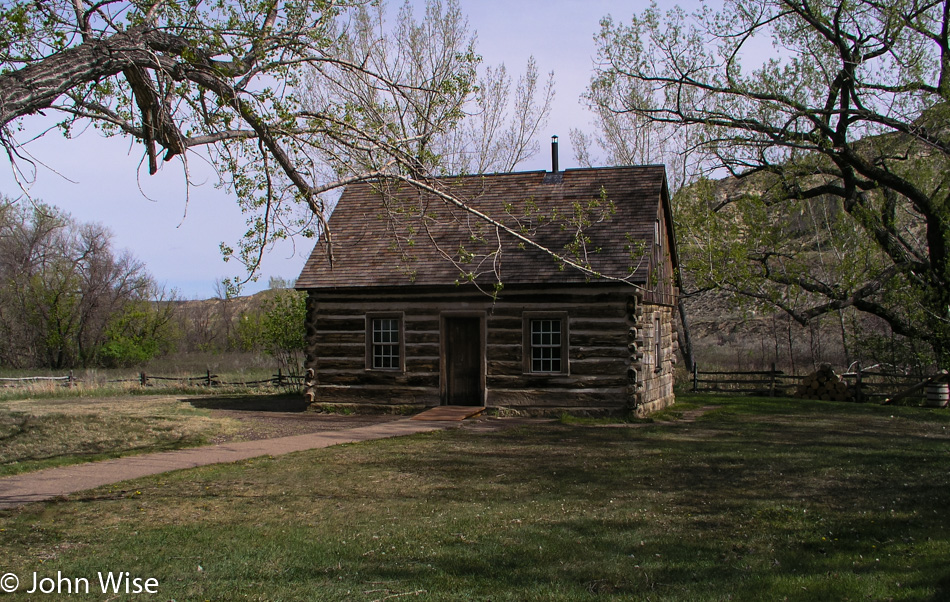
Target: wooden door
{"points": [[463, 362]]}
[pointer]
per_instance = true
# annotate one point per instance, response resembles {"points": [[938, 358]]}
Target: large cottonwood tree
{"points": [[179, 76], [835, 134], [255, 86]]}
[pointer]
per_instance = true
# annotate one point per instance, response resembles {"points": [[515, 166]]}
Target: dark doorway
{"points": [[463, 361]]}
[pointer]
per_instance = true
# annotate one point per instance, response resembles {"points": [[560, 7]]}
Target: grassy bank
{"points": [[755, 500]]}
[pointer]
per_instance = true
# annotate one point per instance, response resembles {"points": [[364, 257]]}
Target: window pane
{"points": [[546, 345], [393, 327], [385, 343]]}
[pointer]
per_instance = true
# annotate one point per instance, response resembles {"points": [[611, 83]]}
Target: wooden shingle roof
{"points": [[394, 234]]}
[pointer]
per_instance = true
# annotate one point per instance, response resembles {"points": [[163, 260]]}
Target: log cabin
{"points": [[534, 292]]}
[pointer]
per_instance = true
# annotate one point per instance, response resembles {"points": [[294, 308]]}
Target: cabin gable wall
{"points": [[661, 286]]}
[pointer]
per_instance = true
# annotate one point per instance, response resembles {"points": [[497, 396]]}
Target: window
{"points": [[384, 342], [545, 346]]}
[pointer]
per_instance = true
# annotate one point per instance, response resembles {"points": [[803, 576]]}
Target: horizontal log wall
{"points": [[602, 375], [337, 352]]}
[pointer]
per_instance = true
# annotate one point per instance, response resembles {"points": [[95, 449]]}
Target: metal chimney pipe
{"points": [[553, 154]]}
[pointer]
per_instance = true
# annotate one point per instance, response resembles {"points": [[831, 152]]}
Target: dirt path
{"points": [[50, 483], [267, 427]]}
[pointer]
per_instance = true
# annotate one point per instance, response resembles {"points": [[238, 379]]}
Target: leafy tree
{"points": [[178, 76], [837, 144], [61, 285], [273, 324], [283, 329], [225, 78], [248, 332], [141, 330]]}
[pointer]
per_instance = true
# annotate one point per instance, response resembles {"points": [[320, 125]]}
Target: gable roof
{"points": [[382, 232]]}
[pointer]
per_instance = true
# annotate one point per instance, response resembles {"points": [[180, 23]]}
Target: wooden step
{"points": [[449, 413]]}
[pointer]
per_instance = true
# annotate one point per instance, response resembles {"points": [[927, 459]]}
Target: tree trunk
{"points": [[687, 346]]}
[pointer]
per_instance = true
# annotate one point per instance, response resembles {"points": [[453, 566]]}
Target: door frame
{"points": [[482, 353]]}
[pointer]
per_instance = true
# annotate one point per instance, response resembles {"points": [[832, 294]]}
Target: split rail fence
{"points": [[150, 380], [871, 385]]}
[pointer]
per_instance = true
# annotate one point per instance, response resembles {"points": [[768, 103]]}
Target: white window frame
{"points": [[382, 353], [562, 346]]}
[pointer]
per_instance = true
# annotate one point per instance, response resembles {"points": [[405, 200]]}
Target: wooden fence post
{"points": [[695, 377], [70, 380], [209, 377], [280, 377], [858, 393], [772, 381], [143, 380]]}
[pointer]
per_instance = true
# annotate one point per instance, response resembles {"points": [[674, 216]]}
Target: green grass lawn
{"points": [[756, 500]]}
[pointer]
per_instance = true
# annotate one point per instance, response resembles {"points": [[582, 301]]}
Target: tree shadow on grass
{"points": [[740, 508], [281, 402], [943, 589]]}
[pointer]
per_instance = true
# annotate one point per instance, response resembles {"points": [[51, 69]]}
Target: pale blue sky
{"points": [[100, 180]]}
